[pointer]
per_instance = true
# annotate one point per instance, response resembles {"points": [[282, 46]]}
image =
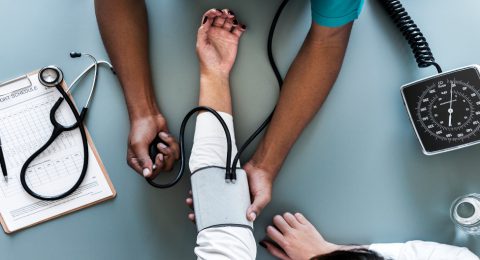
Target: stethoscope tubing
{"points": [[57, 130]]}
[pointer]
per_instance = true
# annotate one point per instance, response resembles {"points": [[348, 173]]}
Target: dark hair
{"points": [[355, 254]]}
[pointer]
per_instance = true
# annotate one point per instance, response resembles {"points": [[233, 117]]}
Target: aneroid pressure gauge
{"points": [[445, 109]]}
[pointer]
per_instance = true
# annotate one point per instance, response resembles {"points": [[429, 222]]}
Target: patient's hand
{"points": [[217, 42], [296, 239]]}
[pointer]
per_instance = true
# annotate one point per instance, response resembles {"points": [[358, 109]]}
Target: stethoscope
{"points": [[52, 76]]}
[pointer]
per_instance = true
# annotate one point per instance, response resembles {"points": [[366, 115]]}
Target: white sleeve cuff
{"points": [[225, 243], [210, 142]]}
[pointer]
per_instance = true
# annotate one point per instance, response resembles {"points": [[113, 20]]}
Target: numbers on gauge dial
{"points": [[450, 110]]}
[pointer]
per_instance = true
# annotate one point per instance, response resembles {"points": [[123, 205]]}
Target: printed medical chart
{"points": [[25, 126]]}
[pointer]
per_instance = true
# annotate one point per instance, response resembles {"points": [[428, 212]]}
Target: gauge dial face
{"points": [[450, 110], [445, 109]]}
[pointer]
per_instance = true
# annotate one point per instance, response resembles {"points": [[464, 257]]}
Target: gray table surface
{"points": [[357, 171]]}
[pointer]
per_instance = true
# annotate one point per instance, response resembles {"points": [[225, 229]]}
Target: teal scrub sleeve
{"points": [[335, 13]]}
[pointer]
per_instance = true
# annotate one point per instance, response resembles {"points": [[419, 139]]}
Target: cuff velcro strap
{"points": [[218, 202]]}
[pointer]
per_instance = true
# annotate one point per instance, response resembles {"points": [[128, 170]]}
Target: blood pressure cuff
{"points": [[219, 203]]}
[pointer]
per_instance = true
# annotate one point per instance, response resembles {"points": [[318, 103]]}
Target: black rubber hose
{"points": [[279, 78]]}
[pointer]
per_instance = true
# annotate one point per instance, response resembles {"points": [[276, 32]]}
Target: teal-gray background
{"points": [[357, 171]]}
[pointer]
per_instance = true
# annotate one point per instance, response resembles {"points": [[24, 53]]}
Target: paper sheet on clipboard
{"points": [[25, 126]]}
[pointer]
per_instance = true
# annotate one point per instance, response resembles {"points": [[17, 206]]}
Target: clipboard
{"points": [[15, 95]]}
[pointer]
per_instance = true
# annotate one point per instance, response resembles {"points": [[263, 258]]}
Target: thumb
{"points": [[260, 200], [143, 159]]}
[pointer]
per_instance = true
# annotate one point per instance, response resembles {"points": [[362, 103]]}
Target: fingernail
{"points": [[163, 135], [162, 145], [244, 26], [235, 22], [262, 244], [160, 157], [205, 19], [231, 12], [253, 216], [146, 172]]}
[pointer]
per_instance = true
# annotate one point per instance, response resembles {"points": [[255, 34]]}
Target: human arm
{"points": [[306, 86], [217, 48], [209, 149], [124, 28]]}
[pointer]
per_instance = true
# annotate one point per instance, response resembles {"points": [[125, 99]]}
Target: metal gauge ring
{"points": [[50, 76]]}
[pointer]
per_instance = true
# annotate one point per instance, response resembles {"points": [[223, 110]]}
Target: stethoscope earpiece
{"points": [[75, 54]]}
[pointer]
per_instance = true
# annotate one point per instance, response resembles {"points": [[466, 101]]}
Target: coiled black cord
{"points": [[230, 173], [418, 43]]}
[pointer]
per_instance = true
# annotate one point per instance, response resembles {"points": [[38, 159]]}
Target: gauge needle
{"points": [[446, 102], [450, 110]]}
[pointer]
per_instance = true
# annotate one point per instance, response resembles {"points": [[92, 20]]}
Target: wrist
{"points": [[140, 99], [142, 111], [214, 77], [263, 159]]}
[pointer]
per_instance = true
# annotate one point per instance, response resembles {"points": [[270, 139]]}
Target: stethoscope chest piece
{"points": [[50, 76]]}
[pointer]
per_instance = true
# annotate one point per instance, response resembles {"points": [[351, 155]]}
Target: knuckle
{"points": [[130, 163]]}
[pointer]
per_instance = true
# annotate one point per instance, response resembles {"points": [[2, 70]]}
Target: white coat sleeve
{"points": [[422, 250]]}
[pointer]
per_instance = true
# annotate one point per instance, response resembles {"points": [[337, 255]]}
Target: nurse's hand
{"points": [[142, 132], [260, 182], [217, 42]]}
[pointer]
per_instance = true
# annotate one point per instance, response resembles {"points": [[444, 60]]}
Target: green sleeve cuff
{"points": [[335, 13]]}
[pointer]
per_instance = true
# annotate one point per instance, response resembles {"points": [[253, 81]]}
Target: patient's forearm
{"points": [[215, 93], [306, 86], [124, 28]]}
